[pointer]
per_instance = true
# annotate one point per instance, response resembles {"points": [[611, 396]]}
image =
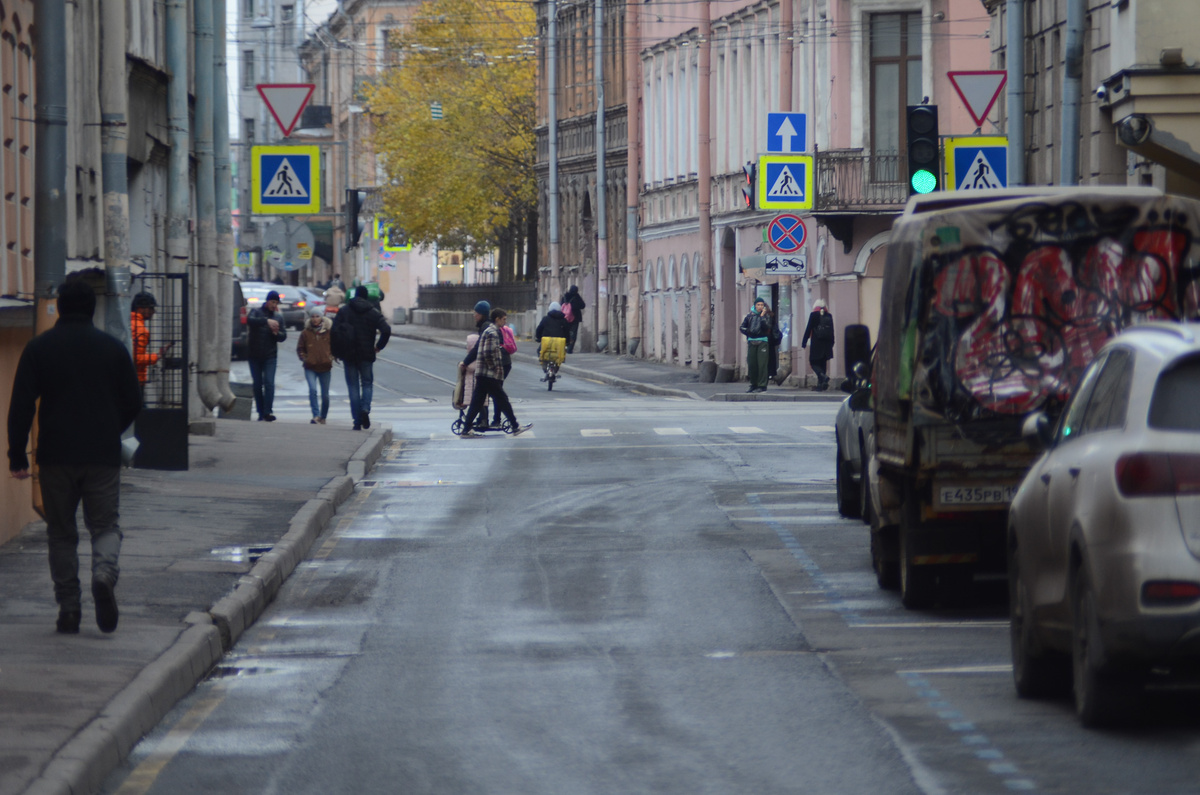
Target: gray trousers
{"points": [[99, 489]]}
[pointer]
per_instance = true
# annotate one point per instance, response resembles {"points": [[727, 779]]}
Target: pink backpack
{"points": [[510, 340], [568, 311]]}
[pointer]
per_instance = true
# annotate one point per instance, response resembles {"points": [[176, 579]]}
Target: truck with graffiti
{"points": [[993, 304]]}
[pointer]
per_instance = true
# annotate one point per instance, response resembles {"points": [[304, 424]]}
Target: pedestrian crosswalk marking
{"points": [[670, 431], [595, 432], [745, 429], [785, 184], [285, 182], [819, 428]]}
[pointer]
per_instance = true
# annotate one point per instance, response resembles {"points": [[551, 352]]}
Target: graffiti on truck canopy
{"points": [[1011, 327]]}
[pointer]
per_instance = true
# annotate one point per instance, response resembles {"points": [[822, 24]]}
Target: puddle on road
{"points": [[247, 554]]}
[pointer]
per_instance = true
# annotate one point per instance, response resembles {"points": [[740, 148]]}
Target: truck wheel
{"points": [[847, 495], [1102, 697], [918, 584], [1036, 672]]}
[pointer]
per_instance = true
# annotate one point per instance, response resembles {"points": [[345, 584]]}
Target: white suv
{"points": [[1104, 532]]}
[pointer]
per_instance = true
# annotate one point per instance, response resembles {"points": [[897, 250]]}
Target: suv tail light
{"points": [[243, 317], [1166, 593], [1158, 474], [300, 304]]}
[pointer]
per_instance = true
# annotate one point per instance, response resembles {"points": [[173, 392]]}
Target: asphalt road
{"points": [[640, 595]]}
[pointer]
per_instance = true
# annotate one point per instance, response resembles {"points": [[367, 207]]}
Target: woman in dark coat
{"points": [[573, 297], [820, 331]]}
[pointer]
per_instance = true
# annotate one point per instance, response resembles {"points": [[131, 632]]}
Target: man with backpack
{"points": [[352, 340], [820, 331]]}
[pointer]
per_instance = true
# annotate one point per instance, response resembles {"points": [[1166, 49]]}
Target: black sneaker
{"points": [[364, 419], [520, 429], [106, 604], [357, 427], [269, 417], [68, 621]]}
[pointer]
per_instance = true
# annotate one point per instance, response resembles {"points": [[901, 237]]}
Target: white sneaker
{"points": [[468, 434], [520, 429]]}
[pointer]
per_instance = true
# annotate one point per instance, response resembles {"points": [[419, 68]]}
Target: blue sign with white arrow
{"points": [[787, 132]]}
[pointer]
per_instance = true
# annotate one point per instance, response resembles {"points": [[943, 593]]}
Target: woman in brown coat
{"points": [[314, 353]]}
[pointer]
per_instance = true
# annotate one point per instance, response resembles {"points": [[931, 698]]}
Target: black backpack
{"points": [[824, 330], [342, 339]]}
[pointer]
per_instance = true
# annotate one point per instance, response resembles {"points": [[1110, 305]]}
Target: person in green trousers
{"points": [[759, 329]]}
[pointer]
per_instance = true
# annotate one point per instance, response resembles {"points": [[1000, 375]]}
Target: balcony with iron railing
{"points": [[850, 181]]}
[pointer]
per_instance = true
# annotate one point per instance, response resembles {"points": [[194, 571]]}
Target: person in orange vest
{"points": [[141, 311]]}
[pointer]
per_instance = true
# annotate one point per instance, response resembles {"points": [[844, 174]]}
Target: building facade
{"points": [[1110, 90]]}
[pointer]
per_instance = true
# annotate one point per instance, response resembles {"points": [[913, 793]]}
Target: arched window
{"points": [[671, 282]]}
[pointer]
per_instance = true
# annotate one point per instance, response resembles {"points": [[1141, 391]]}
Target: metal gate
{"points": [[162, 427]]}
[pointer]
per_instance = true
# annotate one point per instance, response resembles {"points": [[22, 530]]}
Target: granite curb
{"points": [[81, 765]]}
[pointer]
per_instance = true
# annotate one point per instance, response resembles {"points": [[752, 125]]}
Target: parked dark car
{"points": [[256, 293]]}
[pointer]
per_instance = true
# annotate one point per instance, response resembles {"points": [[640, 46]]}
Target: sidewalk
{"points": [[205, 551], [638, 375]]}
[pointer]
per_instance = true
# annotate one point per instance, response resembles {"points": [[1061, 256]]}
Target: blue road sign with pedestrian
{"points": [[286, 179], [978, 164], [785, 182], [787, 132]]}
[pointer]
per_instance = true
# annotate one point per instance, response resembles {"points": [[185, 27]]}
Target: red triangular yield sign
{"points": [[979, 91], [285, 101]]}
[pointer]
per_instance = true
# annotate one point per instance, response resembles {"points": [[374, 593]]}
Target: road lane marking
{"points": [[595, 432], [819, 428], [746, 429], [937, 625], [670, 431], [142, 778]]}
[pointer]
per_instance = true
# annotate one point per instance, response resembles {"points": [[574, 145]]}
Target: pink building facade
{"points": [[851, 66]]}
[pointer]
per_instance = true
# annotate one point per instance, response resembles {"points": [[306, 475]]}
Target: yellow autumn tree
{"points": [[465, 180]]}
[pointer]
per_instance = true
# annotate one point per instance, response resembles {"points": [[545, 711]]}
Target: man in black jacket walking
{"points": [[265, 331], [89, 395], [356, 323]]}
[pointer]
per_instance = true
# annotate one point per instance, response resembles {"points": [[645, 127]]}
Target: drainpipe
{"points": [[704, 179], [633, 108], [50, 177], [50, 157], [114, 102], [224, 207], [1068, 173], [178, 200], [206, 209], [601, 187], [552, 135], [1015, 90]]}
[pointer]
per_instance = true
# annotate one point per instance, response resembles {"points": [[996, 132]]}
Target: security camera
{"points": [[1134, 130], [1101, 92]]}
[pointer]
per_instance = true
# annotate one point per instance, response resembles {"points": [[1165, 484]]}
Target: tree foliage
{"points": [[467, 180]]}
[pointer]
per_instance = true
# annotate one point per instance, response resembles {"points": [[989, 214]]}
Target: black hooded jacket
{"points": [[366, 320], [552, 325], [89, 392]]}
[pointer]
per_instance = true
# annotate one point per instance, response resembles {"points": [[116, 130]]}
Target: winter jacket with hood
{"points": [[366, 320], [313, 347], [552, 325]]}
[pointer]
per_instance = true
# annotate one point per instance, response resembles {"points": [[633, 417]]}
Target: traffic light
{"points": [[355, 199], [751, 171], [923, 143]]}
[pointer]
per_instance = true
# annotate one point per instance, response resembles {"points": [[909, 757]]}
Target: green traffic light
{"points": [[924, 181]]}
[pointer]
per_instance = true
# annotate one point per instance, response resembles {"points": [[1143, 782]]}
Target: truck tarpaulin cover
{"points": [[1004, 305]]}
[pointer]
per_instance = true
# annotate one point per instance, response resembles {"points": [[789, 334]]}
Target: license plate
{"points": [[973, 495]]}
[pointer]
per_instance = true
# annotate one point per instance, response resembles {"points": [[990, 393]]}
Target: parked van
{"points": [[993, 304]]}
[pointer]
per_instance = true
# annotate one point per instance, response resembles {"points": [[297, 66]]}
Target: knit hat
{"points": [[819, 303], [272, 296], [143, 299], [361, 291], [483, 308], [316, 311], [555, 306]]}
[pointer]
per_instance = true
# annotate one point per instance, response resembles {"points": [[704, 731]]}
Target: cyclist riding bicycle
{"points": [[551, 335]]}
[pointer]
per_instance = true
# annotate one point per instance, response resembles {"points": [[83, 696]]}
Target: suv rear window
{"points": [[1173, 407]]}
